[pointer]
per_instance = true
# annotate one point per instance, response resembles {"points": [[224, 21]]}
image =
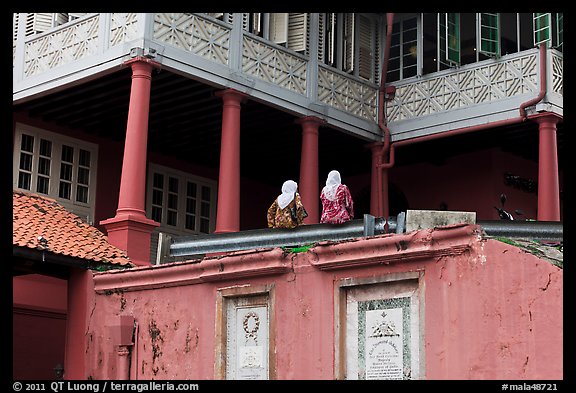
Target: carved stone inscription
{"points": [[247, 343], [382, 331], [384, 353]]}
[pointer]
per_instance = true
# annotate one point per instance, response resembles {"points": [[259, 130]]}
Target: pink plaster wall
{"points": [[501, 316], [39, 292], [491, 311], [38, 326]]}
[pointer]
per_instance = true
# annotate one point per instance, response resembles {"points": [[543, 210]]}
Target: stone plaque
{"points": [[247, 342], [382, 331], [383, 344]]}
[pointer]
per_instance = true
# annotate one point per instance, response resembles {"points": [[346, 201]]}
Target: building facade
{"points": [[180, 124]]}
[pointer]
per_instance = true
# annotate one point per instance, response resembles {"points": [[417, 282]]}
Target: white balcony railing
{"points": [[239, 53]]}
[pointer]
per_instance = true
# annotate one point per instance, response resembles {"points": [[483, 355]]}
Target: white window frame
{"points": [[182, 177], [83, 210], [402, 53]]}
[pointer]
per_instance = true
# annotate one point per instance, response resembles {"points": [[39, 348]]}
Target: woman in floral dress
{"points": [[337, 204], [280, 212]]}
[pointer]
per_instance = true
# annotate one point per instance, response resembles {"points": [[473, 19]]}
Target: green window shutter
{"points": [[542, 27], [490, 34], [453, 37], [560, 31], [449, 38], [297, 31]]}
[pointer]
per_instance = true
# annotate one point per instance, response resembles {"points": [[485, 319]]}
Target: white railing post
{"points": [[18, 66], [312, 72]]}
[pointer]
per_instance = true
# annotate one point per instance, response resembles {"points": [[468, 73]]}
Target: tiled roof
{"points": [[43, 224]]}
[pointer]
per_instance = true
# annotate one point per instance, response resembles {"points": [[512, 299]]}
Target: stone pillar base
{"points": [[131, 233]]}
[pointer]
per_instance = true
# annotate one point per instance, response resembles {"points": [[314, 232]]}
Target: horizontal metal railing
{"points": [[314, 233], [280, 237]]}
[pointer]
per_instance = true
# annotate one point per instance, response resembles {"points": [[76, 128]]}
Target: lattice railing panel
{"points": [[199, 36], [557, 71], [61, 47], [273, 65], [123, 28], [479, 85], [346, 94]]}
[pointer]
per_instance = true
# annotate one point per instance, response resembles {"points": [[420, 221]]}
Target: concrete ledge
{"points": [[421, 219]]}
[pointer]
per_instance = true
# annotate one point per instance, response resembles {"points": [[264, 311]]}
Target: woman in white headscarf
{"points": [[337, 204], [287, 210]]}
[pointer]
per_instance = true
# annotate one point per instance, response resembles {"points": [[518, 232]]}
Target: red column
{"points": [[548, 183], [130, 229], [308, 184], [228, 213]]}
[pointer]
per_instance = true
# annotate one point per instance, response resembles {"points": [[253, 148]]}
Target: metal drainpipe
{"points": [[543, 85], [391, 147], [382, 207]]}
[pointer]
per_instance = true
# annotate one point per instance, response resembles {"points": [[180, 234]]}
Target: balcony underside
{"points": [[185, 122]]}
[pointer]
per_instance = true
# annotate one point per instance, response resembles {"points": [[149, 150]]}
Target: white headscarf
{"points": [[332, 183], [288, 189]]}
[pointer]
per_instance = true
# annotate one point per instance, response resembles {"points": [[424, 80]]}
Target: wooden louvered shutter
{"points": [[38, 22], [279, 27], [216, 15], [365, 50], [15, 23], [330, 57], [256, 23], [297, 31], [348, 28], [75, 15], [59, 19], [246, 21], [377, 50], [321, 36]]}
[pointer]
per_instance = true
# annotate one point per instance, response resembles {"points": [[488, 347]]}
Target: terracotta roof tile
{"points": [[42, 223]]}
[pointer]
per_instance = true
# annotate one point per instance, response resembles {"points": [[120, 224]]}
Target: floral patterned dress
{"points": [[281, 218], [339, 210]]}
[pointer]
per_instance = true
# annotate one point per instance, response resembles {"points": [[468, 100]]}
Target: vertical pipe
{"points": [[376, 149], [123, 370], [381, 178], [228, 214]]}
